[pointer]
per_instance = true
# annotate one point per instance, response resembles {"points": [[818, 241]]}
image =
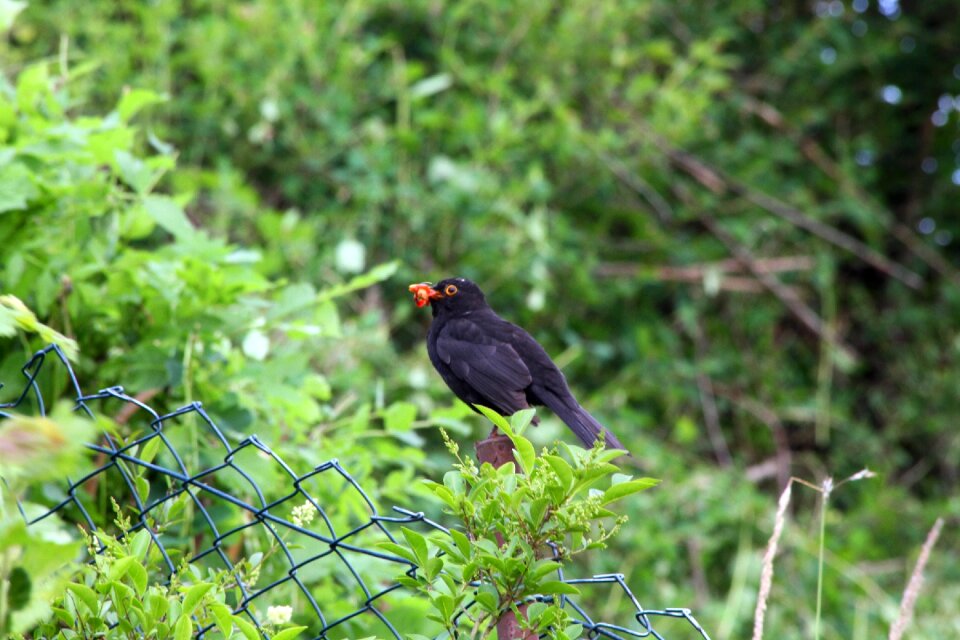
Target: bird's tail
{"points": [[584, 425]]}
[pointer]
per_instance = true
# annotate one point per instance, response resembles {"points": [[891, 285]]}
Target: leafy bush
{"points": [[98, 250], [520, 525], [123, 594]]}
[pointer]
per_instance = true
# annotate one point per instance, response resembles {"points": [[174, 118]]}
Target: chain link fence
{"points": [[241, 497]]}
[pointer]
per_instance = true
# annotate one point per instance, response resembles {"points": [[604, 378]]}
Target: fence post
{"points": [[497, 449]]}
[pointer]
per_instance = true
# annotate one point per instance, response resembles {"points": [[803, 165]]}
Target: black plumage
{"points": [[488, 361]]}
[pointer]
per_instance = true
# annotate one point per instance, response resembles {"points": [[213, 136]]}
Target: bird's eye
{"points": [[450, 290]]}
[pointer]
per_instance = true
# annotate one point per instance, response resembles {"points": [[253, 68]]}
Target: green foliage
{"points": [[35, 563], [97, 248], [123, 593], [93, 246], [519, 528]]}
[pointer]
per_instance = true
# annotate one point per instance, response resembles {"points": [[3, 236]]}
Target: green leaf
{"points": [[138, 575], [623, 489], [246, 628], [487, 598], [469, 571], [418, 543], [134, 100], [399, 416], [120, 567], [557, 587], [526, 453], [193, 597], [410, 583], [520, 420], [609, 454], [453, 480], [543, 567], [120, 593], [377, 274], [563, 470], [169, 215], [432, 567], [288, 633], [65, 617], [157, 605], [536, 611], [537, 510], [445, 545], [32, 84], [462, 542], [223, 616], [184, 628], [134, 171], [16, 187], [444, 494], [86, 595], [143, 488], [140, 544], [399, 550], [497, 419]]}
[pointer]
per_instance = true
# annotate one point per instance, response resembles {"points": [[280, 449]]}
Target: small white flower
{"points": [[350, 256], [256, 345], [303, 515], [279, 614]]}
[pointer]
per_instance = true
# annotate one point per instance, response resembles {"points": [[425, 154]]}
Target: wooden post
{"points": [[497, 449]]}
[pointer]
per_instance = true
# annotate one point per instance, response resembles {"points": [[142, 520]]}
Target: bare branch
{"points": [[711, 417], [719, 182], [821, 159], [698, 271], [807, 316]]}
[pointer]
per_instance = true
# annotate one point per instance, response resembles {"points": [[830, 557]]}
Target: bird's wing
{"points": [[489, 366]]}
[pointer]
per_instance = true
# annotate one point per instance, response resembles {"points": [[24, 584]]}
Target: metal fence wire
{"points": [[333, 567]]}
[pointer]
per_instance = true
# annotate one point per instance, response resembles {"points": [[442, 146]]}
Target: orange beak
{"points": [[423, 293]]}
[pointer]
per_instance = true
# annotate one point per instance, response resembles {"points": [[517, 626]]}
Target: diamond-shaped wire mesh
{"points": [[333, 567]]}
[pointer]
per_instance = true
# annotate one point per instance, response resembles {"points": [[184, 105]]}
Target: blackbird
{"points": [[488, 361]]}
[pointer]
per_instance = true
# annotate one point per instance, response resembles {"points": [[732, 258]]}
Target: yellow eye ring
{"points": [[451, 289]]}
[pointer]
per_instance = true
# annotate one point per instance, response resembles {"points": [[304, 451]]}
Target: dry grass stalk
{"points": [[909, 600], [766, 573]]}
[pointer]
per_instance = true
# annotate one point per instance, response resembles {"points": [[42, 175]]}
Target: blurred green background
{"points": [[733, 225]]}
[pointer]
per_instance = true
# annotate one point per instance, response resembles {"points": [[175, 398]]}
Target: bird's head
{"points": [[453, 295]]}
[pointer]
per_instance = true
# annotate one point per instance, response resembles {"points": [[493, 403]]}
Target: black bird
{"points": [[488, 361]]}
